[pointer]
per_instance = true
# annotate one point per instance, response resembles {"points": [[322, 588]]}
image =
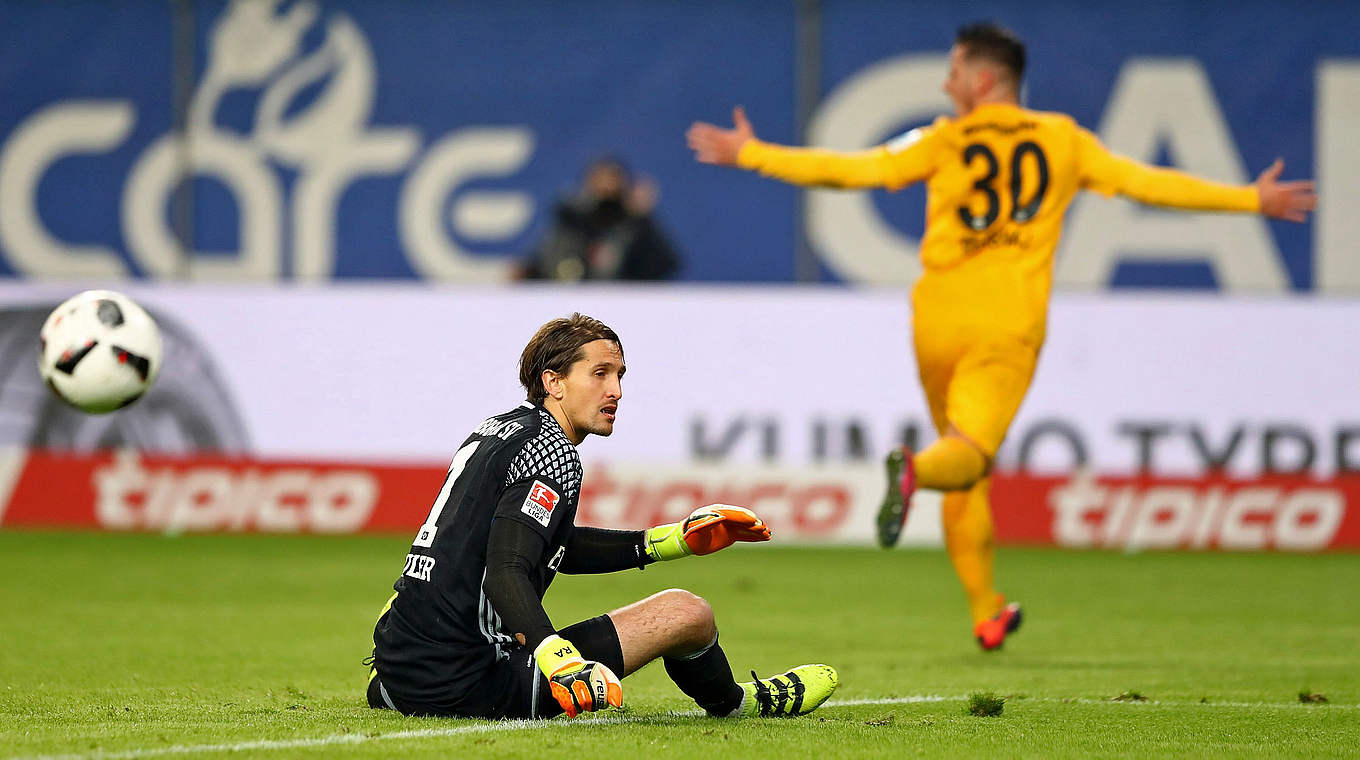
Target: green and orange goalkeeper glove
{"points": [[706, 530], [579, 685]]}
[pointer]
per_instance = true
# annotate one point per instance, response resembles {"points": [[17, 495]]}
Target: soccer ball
{"points": [[100, 351]]}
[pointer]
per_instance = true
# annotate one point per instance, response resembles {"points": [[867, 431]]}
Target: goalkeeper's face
{"points": [[589, 393]]}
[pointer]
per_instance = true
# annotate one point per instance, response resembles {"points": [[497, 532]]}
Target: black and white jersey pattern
{"points": [[441, 631], [551, 454]]}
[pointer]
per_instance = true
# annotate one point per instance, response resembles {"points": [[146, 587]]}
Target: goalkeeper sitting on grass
{"points": [[465, 633]]}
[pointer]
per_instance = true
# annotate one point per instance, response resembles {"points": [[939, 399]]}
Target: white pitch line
{"points": [[1086, 701], [920, 698], [521, 725]]}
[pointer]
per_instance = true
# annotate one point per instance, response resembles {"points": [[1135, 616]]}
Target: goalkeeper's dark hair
{"points": [[994, 43], [556, 346]]}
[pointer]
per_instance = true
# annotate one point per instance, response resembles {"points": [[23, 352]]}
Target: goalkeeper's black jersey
{"points": [[441, 632]]}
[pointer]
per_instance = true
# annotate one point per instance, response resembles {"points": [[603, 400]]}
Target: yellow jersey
{"points": [[999, 181]]}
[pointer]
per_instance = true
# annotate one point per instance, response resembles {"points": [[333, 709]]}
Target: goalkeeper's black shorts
{"points": [[514, 687]]}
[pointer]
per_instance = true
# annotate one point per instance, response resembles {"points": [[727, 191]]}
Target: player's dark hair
{"points": [[994, 43], [556, 346]]}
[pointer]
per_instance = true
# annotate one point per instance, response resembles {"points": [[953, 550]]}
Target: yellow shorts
{"points": [[977, 330], [974, 384]]}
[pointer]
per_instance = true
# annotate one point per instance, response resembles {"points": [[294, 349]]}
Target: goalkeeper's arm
{"points": [[512, 554], [601, 550], [706, 530], [578, 685]]}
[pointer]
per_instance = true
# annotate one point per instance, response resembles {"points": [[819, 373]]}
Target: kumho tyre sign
{"points": [[1171, 387]]}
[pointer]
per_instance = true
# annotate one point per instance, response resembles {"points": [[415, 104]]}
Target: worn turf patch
{"points": [[985, 704]]}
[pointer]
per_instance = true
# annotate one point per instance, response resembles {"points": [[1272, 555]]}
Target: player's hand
{"points": [[706, 530], [714, 145], [579, 685], [1284, 200]]}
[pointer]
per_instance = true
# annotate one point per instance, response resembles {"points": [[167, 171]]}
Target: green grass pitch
{"points": [[119, 646]]}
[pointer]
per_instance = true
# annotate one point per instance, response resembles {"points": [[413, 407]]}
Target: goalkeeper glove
{"points": [[706, 530], [579, 685]]}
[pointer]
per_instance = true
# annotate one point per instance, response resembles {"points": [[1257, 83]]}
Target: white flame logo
{"points": [[328, 142]]}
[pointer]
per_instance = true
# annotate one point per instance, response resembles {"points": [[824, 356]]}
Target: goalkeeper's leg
{"points": [[679, 627]]}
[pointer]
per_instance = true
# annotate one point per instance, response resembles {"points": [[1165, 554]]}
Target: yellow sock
{"points": [[967, 518], [949, 464]]}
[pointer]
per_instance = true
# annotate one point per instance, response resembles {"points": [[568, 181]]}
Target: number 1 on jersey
{"points": [[426, 535]]}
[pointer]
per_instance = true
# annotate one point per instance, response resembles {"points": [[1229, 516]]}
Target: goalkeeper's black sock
{"points": [[705, 677]]}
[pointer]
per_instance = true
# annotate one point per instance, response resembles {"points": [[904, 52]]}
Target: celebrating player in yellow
{"points": [[999, 180]]}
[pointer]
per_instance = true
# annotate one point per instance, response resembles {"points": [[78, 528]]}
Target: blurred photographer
{"points": [[604, 232]]}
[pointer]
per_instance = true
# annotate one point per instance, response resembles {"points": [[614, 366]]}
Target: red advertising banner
{"points": [[1291, 513], [126, 491]]}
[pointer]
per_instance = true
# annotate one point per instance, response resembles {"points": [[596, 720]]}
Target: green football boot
{"points": [[797, 692]]}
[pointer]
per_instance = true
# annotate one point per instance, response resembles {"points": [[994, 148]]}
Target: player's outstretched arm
{"points": [[706, 530], [715, 145], [811, 167], [1285, 200], [1110, 173]]}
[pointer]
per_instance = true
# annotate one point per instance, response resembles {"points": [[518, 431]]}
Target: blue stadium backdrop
{"points": [[427, 140]]}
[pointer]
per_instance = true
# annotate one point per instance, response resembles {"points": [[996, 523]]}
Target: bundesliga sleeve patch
{"points": [[540, 502]]}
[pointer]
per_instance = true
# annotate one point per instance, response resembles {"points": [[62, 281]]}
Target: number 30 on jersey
{"points": [[1021, 212]]}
